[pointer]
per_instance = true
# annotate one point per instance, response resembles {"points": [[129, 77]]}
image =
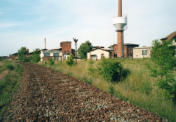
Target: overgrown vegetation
{"points": [[24, 56], [70, 60], [9, 84], [35, 56], [163, 56], [138, 88]]}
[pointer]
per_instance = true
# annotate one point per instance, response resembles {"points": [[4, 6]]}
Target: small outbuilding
{"points": [[98, 54], [142, 52]]}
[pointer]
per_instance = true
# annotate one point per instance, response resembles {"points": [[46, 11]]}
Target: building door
{"points": [[94, 57]]}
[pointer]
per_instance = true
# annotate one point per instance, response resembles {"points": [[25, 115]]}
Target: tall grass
{"points": [[6, 65], [8, 85], [138, 88]]}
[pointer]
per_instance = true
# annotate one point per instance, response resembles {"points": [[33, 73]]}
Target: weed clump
{"points": [[10, 67], [89, 81]]}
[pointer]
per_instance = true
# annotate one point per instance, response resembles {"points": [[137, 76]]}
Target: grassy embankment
{"points": [[138, 88], [9, 83]]}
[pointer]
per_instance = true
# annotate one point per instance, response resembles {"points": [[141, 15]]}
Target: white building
{"points": [[55, 54], [142, 52], [98, 54]]}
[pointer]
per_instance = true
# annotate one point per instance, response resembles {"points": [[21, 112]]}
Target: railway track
{"points": [[46, 95]]}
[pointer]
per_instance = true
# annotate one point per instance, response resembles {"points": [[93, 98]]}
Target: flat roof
{"points": [[144, 47]]}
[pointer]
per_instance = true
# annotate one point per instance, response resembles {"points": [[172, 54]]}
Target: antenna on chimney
{"points": [[45, 42]]}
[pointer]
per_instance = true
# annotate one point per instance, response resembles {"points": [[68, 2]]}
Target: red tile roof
{"points": [[170, 36]]}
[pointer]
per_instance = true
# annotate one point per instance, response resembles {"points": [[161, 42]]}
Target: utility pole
{"points": [[75, 40]]}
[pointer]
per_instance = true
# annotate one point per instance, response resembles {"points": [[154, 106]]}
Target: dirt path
{"points": [[3, 74], [51, 96]]}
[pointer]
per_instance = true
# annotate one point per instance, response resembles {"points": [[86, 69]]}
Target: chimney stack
{"points": [[120, 8], [120, 22], [45, 42]]}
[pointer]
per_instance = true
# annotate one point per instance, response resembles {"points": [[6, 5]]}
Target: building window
{"points": [[144, 52], [56, 54], [46, 54], [115, 55]]}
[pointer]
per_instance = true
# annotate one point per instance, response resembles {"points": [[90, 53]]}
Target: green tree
{"points": [[163, 56], [22, 52], [84, 49], [70, 60], [36, 56]]}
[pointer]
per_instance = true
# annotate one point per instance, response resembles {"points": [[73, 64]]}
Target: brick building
{"points": [[128, 50], [66, 49]]}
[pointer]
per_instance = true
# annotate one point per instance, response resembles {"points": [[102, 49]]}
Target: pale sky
{"points": [[28, 22]]}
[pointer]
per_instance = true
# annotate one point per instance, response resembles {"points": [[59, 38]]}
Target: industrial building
{"points": [[128, 50], [59, 54], [111, 52], [55, 54]]}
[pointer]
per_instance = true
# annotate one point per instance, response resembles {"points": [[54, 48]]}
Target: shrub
{"points": [[22, 52], [112, 70], [10, 67], [51, 62], [27, 59], [111, 90], [35, 56], [1, 59], [70, 60]]}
